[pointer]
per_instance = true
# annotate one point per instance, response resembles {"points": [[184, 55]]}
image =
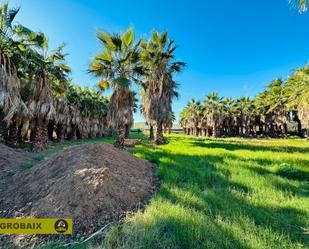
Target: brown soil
{"points": [[94, 184], [11, 161]]}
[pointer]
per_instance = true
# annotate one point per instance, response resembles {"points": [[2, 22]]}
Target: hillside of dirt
{"points": [[94, 184], [11, 161]]}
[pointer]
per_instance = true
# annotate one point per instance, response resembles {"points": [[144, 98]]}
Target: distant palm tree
{"points": [[244, 113], [297, 94], [213, 112], [229, 115], [118, 65]]}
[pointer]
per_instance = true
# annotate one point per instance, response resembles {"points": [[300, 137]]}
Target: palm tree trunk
{"points": [[285, 129], [160, 139], [50, 128], [12, 138], [39, 135], [120, 136], [19, 135], [299, 127], [127, 133], [59, 132], [151, 133], [261, 130], [72, 134], [5, 133], [215, 131]]}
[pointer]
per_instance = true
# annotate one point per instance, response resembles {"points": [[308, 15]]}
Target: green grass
{"points": [[224, 193]]}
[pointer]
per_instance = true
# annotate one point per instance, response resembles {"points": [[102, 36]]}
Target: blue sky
{"points": [[233, 47]]}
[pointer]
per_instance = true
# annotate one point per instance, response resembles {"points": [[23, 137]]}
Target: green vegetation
{"points": [[223, 193], [228, 193], [37, 97], [280, 105]]}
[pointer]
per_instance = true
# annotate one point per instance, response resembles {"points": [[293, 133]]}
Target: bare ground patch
{"points": [[94, 184]]}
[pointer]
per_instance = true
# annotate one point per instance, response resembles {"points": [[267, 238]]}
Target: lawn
{"points": [[223, 193]]}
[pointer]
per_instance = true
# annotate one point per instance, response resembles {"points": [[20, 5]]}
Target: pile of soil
{"points": [[94, 184], [11, 161], [132, 142]]}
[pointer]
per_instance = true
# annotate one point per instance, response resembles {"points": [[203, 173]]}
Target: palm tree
{"points": [[118, 65], [300, 4], [196, 112], [14, 41], [157, 55], [169, 125], [244, 110], [228, 115], [46, 73], [184, 119], [273, 104], [213, 113], [296, 91]]}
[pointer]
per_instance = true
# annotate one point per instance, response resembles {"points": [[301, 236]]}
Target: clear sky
{"points": [[233, 47]]}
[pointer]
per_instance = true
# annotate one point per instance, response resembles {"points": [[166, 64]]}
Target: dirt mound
{"points": [[94, 184], [132, 142], [10, 161]]}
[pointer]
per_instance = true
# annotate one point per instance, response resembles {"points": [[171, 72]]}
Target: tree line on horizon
{"points": [[270, 113]]}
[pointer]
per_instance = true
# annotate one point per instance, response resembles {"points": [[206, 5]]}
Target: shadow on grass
{"points": [[239, 145], [214, 194]]}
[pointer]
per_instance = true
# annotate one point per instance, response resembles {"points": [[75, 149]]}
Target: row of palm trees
{"points": [[270, 113], [147, 63], [38, 101], [37, 98]]}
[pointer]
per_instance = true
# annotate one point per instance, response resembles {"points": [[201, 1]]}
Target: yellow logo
{"points": [[61, 226], [36, 226]]}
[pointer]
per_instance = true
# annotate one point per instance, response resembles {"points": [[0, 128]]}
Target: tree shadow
{"points": [[302, 190], [217, 195], [238, 145]]}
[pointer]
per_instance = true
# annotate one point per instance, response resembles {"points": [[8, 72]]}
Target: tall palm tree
{"points": [[14, 41], [157, 55], [118, 65], [45, 71]]}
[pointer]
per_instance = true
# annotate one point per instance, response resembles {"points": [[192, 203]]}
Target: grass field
{"points": [[224, 193]]}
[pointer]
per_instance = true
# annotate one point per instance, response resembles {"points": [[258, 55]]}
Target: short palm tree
{"points": [[118, 65]]}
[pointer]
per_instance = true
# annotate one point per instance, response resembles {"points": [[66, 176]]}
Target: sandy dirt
{"points": [[94, 184]]}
